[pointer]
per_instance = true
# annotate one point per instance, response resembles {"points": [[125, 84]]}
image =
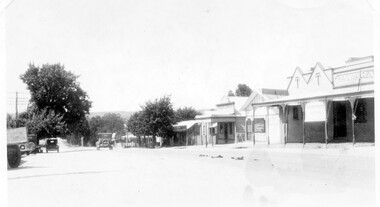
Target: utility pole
{"points": [[16, 104], [16, 108]]}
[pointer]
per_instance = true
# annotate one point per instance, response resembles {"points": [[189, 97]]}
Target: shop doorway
{"points": [[340, 121]]}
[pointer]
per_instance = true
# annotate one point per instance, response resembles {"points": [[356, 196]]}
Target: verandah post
{"points": [[253, 126], [284, 121], [267, 124], [303, 122], [326, 120], [352, 103]]}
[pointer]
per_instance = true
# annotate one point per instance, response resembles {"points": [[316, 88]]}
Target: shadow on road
{"points": [[24, 168], [58, 174], [67, 151]]}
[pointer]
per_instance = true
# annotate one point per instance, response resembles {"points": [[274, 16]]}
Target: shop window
{"points": [[212, 130], [295, 113], [361, 112], [221, 129]]}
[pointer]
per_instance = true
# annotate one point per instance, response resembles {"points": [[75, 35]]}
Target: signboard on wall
{"points": [[259, 125], [179, 128], [315, 112], [353, 78]]}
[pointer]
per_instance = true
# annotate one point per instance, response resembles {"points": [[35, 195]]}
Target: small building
{"points": [[229, 122], [186, 133], [324, 105]]}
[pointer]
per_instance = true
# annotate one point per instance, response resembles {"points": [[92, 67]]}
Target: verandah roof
{"points": [[317, 97]]}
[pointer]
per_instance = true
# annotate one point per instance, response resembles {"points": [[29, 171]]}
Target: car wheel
{"points": [[14, 156]]}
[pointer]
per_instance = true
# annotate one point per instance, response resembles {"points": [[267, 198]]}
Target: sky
{"points": [[128, 52]]}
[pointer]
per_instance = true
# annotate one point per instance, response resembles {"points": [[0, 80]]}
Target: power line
{"points": [[13, 92]]}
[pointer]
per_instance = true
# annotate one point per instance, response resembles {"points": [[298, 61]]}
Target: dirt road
{"points": [[195, 177]]}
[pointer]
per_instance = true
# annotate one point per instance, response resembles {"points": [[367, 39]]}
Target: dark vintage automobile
{"points": [[52, 145], [104, 141]]}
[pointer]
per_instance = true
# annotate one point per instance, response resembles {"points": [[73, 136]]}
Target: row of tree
{"points": [[59, 107]]}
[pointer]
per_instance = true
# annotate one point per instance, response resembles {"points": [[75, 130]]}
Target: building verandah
{"points": [[221, 129], [339, 117]]}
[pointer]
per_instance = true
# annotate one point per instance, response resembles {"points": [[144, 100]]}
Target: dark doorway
{"points": [[226, 132], [340, 120]]}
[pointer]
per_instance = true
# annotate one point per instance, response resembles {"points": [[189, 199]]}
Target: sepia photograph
{"points": [[259, 103]]}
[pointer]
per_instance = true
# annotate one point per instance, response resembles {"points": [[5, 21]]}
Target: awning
{"points": [[184, 125], [293, 100]]}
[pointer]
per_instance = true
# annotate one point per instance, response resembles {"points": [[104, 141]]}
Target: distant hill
{"points": [[124, 114]]}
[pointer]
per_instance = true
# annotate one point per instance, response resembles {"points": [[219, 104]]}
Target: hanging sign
{"points": [[259, 125]]}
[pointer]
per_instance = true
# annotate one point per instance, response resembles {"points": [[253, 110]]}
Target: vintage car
{"points": [[104, 140], [52, 145], [27, 147]]}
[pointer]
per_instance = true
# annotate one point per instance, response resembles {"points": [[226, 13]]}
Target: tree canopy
{"points": [[136, 124], [155, 119], [185, 113], [243, 90], [56, 100], [108, 123], [160, 117]]}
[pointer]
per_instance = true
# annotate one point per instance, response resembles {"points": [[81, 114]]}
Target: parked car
{"points": [[104, 140], [52, 145], [27, 147]]}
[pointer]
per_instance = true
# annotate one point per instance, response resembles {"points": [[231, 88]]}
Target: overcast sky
{"points": [[130, 51]]}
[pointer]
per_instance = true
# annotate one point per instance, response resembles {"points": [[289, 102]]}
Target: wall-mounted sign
{"points": [[179, 128], [315, 112], [259, 125], [353, 78]]}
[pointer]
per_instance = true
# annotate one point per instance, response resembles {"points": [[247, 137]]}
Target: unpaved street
{"points": [[196, 176]]}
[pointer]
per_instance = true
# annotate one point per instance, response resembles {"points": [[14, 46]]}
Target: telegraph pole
{"points": [[16, 104]]}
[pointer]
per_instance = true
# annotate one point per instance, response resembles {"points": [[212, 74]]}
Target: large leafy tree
{"points": [[136, 124], [113, 123], [110, 123], [186, 113], [46, 123], [96, 124], [243, 90], [56, 94], [160, 117]]}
